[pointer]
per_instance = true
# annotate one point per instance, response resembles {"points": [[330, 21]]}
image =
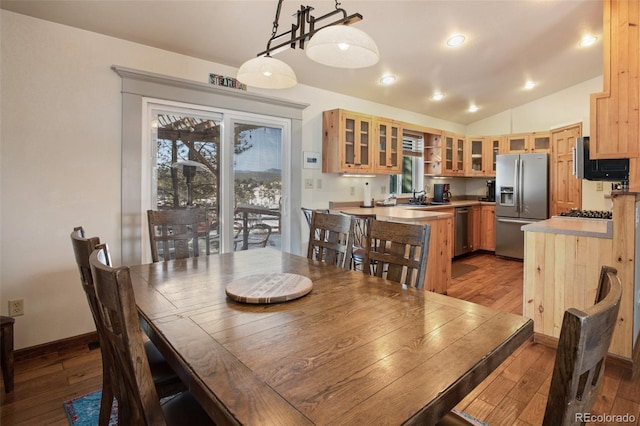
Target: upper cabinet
{"points": [[347, 142], [454, 148], [481, 155], [389, 147], [528, 142], [615, 113]]}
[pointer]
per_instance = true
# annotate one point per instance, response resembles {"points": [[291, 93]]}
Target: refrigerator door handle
{"points": [[516, 180], [521, 188], [573, 159], [520, 221]]}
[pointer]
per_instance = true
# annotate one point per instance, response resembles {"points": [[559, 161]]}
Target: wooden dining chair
{"points": [[138, 401], [578, 371], [584, 341], [331, 238], [176, 233], [399, 252], [166, 381]]}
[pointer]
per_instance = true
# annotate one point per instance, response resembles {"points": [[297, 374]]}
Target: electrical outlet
{"points": [[383, 189], [319, 184], [308, 184], [598, 186], [16, 307], [352, 190]]}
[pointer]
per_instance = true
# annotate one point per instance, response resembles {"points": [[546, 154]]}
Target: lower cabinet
{"points": [[487, 228]]}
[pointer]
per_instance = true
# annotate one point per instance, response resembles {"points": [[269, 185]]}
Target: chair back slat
{"points": [[330, 238], [399, 252], [176, 234], [584, 341], [119, 315]]}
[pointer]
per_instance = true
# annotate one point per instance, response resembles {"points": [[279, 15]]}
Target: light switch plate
{"points": [[308, 184]]}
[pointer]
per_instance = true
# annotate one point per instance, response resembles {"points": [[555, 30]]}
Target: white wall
{"points": [[60, 156]]}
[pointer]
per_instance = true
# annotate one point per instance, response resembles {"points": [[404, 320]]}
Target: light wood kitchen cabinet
{"points": [[488, 228], [347, 142], [476, 218], [476, 162], [389, 147], [528, 142], [454, 147], [615, 112], [481, 155], [494, 147], [432, 154]]}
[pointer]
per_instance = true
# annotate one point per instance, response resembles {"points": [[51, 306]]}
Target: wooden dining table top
{"points": [[357, 349]]}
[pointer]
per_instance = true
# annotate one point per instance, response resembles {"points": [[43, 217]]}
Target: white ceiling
{"points": [[508, 42]]}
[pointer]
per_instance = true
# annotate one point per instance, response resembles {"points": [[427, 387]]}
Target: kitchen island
{"points": [[438, 272], [562, 262]]}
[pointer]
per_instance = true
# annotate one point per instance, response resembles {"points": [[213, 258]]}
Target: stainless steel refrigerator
{"points": [[522, 197]]}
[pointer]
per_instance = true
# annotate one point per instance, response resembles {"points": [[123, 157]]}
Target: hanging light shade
{"points": [[267, 73], [342, 46]]}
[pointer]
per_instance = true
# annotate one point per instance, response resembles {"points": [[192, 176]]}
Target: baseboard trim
{"points": [[552, 342], [56, 346]]}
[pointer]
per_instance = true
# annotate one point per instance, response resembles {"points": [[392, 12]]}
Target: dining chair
{"points": [[309, 212], [138, 400], [578, 371], [176, 233], [331, 238], [399, 252], [361, 242], [166, 381]]}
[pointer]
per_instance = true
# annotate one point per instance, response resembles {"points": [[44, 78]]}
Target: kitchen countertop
{"points": [[584, 227], [398, 214]]}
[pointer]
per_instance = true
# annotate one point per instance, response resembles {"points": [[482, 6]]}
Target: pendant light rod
{"points": [[297, 32]]}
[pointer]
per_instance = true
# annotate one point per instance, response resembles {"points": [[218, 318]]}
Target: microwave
{"points": [[610, 169]]}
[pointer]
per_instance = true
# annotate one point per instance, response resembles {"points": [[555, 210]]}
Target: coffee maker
{"points": [[441, 193], [491, 191]]}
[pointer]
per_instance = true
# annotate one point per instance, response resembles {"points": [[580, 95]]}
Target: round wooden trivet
{"points": [[269, 288]]}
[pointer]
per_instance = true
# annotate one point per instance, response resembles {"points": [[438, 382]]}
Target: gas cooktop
{"points": [[591, 214]]}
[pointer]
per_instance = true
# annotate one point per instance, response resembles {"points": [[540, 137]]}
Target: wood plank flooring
{"points": [[514, 394]]}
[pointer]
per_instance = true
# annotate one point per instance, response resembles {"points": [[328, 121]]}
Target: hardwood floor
{"points": [[514, 394]]}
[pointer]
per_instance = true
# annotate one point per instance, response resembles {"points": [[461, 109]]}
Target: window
{"points": [[412, 176]]}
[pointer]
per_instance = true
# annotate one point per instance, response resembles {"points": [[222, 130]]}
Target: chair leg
{"points": [[6, 354]]}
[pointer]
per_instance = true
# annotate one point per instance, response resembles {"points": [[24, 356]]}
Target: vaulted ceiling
{"points": [[507, 43]]}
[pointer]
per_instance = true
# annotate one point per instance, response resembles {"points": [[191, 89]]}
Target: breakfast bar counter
{"points": [[596, 228], [438, 272]]}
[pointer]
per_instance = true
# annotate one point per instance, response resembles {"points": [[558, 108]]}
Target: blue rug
{"points": [[85, 410]]}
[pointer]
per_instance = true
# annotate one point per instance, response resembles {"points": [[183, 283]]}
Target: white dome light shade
{"points": [[267, 73], [342, 46]]}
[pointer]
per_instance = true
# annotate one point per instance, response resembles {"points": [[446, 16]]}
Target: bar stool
{"points": [[6, 352]]}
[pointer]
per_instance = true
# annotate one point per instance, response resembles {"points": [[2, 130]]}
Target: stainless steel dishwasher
{"points": [[464, 230]]}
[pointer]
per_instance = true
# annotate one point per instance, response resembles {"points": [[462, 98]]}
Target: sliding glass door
{"points": [[237, 175]]}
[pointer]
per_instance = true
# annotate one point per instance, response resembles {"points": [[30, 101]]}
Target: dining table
{"points": [[335, 346]]}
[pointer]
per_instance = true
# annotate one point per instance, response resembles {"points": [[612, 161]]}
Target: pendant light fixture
{"points": [[335, 44]]}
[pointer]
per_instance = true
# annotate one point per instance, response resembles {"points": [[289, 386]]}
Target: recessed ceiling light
{"points": [[588, 40], [388, 79], [473, 108], [455, 40], [529, 85], [437, 96]]}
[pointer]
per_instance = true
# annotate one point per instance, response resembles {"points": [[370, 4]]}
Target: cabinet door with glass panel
{"points": [[529, 142], [347, 142], [454, 148], [476, 162], [494, 145], [389, 147]]}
